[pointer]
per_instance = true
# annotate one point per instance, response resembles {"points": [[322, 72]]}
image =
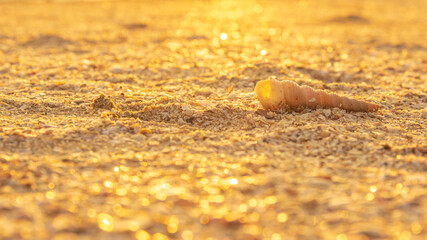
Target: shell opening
{"points": [[270, 94], [263, 90]]}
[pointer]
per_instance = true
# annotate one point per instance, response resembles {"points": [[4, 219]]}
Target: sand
{"points": [[137, 120]]}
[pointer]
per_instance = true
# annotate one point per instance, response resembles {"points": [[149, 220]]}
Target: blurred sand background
{"points": [[137, 120]]}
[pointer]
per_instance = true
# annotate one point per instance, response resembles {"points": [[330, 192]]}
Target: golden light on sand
{"points": [[145, 202], [243, 207], [105, 222], [95, 188], [204, 203], [223, 36], [108, 184], [133, 226], [370, 196], [282, 217], [160, 236], [121, 191], [233, 181], [204, 219], [172, 225], [139, 119], [187, 235], [342, 236], [91, 213], [276, 236], [50, 195], [416, 228], [142, 235], [252, 202], [270, 200]]}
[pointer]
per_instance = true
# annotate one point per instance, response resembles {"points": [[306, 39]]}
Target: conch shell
{"points": [[274, 95]]}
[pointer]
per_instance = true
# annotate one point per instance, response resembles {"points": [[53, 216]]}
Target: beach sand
{"points": [[138, 120]]}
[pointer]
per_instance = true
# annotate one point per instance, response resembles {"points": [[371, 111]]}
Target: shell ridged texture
{"points": [[274, 95]]}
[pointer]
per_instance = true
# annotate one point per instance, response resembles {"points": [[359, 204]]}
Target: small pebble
{"points": [[203, 92], [116, 70], [327, 112], [232, 96]]}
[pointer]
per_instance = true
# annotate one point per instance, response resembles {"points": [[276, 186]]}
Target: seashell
{"points": [[274, 95]]}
